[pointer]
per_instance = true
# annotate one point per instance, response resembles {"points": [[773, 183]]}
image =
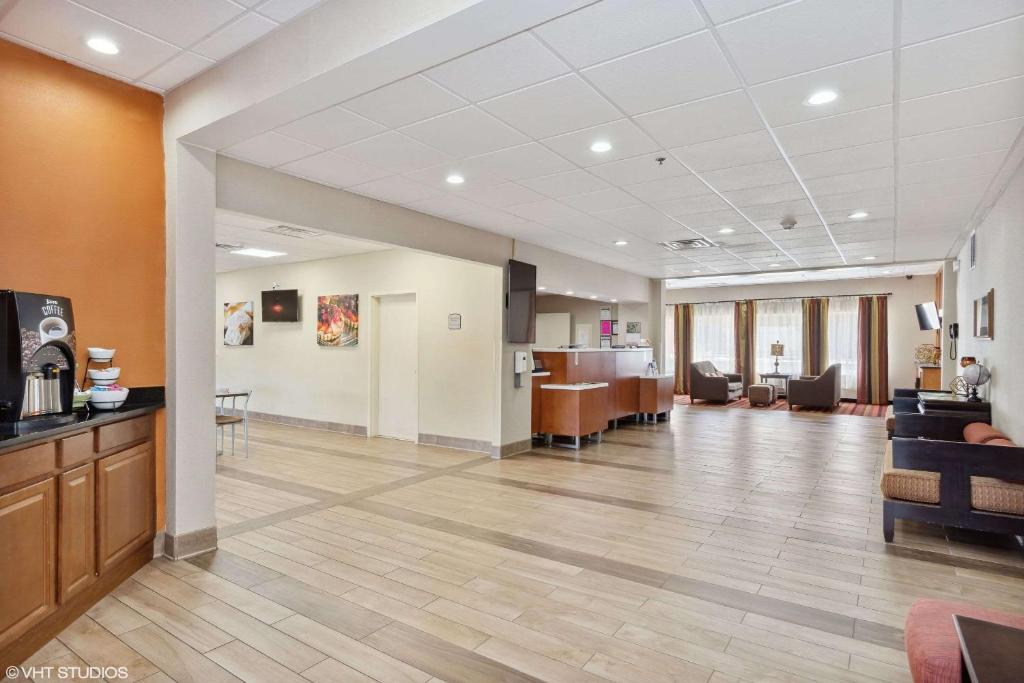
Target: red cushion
{"points": [[933, 649], [979, 432], [1000, 442]]}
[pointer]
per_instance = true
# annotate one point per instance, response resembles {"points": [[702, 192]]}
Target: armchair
{"points": [[816, 392], [708, 384]]}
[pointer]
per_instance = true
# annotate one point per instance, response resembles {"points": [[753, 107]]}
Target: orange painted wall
{"points": [[82, 207]]}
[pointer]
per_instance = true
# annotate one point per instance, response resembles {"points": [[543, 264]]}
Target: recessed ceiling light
{"points": [[259, 253], [869, 258], [773, 265], [541, 288], [821, 97], [858, 215], [886, 272], [621, 243], [726, 231], [601, 146], [593, 296], [455, 179], [570, 292], [697, 270], [103, 45], [615, 301]]}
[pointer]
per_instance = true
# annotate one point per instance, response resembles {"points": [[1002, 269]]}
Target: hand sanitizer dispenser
{"points": [[519, 366]]}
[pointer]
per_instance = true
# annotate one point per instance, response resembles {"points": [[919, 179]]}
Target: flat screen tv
{"points": [[521, 302], [928, 316], [281, 306]]}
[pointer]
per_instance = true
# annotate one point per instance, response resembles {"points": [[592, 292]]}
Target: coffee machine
{"points": [[37, 361]]}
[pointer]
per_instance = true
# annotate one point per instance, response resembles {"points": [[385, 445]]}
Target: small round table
{"points": [[766, 378]]}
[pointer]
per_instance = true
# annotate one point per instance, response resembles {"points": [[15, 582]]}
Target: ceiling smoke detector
{"points": [[686, 245], [788, 223], [292, 231]]}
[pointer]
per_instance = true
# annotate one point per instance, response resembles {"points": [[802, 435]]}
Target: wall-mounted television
{"points": [[281, 306], [521, 302], [928, 316]]}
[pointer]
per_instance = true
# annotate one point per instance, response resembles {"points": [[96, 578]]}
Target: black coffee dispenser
{"points": [[37, 361]]}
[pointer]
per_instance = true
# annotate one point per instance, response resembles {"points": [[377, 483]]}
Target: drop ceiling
{"points": [[162, 42], [839, 273], [236, 230]]}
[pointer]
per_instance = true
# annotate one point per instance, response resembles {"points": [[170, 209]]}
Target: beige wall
{"points": [[904, 333], [1000, 246], [581, 311], [291, 375]]}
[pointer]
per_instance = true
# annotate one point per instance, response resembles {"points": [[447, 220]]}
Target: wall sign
{"points": [[454, 321]]}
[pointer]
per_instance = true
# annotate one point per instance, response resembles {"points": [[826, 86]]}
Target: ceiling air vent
{"points": [[226, 246], [291, 231], [686, 245]]}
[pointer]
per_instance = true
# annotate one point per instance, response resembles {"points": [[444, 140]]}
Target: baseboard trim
{"points": [[457, 442], [159, 542], [325, 425], [184, 546], [511, 448]]}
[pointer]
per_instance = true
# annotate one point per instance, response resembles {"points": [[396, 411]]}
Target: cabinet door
{"points": [[124, 499], [76, 567], [28, 567]]}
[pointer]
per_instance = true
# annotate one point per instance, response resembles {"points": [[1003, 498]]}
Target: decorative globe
{"points": [[976, 375]]}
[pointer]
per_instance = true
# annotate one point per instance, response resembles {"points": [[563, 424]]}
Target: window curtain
{"points": [[714, 335], [873, 350], [843, 335], [746, 340], [780, 320], [815, 336], [684, 346]]}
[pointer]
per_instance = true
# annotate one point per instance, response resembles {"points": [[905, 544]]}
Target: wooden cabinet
{"points": [[124, 500], [929, 377], [656, 394], [76, 568], [28, 568]]}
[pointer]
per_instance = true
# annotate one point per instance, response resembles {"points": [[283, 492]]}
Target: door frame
{"points": [[373, 426]]}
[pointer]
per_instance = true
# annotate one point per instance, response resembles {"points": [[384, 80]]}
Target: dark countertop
{"points": [[141, 401]]}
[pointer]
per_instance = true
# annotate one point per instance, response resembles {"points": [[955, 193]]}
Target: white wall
{"points": [[290, 375], [904, 333], [1000, 246]]}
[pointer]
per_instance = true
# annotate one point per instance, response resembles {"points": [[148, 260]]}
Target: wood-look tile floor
{"points": [[724, 545]]}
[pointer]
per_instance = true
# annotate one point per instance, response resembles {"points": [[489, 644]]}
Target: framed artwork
{"points": [[984, 315], [238, 327], [615, 327], [633, 327], [606, 328], [337, 320]]}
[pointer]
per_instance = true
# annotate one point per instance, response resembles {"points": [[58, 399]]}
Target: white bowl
{"points": [[107, 399], [97, 353], [104, 378]]}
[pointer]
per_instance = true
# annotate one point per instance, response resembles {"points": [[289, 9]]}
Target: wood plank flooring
{"points": [[724, 545]]}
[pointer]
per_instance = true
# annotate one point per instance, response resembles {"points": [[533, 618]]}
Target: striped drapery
{"points": [[746, 355], [815, 333], [873, 350], [684, 346]]}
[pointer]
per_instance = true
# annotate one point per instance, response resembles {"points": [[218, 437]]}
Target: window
{"points": [[714, 335], [779, 320], [670, 339], [843, 333]]}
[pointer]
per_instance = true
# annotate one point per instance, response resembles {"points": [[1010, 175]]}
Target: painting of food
{"points": [[238, 324], [337, 320]]}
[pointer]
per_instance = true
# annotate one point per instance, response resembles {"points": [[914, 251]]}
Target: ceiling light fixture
{"points": [[103, 45], [258, 253], [773, 265], [868, 258], [621, 243], [455, 179], [858, 215], [601, 146], [726, 231], [821, 97], [615, 301], [541, 288], [570, 292], [593, 296], [697, 270]]}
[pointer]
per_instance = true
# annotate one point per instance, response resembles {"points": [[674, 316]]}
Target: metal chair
{"points": [[232, 418]]}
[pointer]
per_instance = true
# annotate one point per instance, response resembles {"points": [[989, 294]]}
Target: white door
{"points": [[398, 384]]}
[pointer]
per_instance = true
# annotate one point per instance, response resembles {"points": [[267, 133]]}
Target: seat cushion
{"points": [[734, 386], [890, 418], [997, 495], [933, 648], [980, 432], [1000, 442], [913, 485]]}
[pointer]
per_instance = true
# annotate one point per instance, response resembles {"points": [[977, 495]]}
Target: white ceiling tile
{"points": [[615, 27], [876, 178], [503, 195], [737, 150], [548, 211], [446, 206], [492, 219], [465, 132], [602, 200], [805, 35], [710, 119], [945, 191], [709, 222], [286, 10], [925, 19], [844, 160], [944, 169], [523, 161], [437, 176], [769, 194], [844, 130], [642, 220], [667, 189], [181, 22], [554, 107], [686, 206], [396, 190], [773, 212], [178, 69], [752, 175], [851, 201], [967, 107], [652, 79], [960, 142], [625, 137], [331, 128], [63, 27], [333, 169], [235, 36], [270, 149], [393, 152], [971, 58], [400, 103], [566, 184], [722, 11], [639, 169], [859, 84], [508, 65]]}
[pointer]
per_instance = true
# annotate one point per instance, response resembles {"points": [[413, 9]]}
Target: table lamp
{"points": [[975, 375], [778, 349]]}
